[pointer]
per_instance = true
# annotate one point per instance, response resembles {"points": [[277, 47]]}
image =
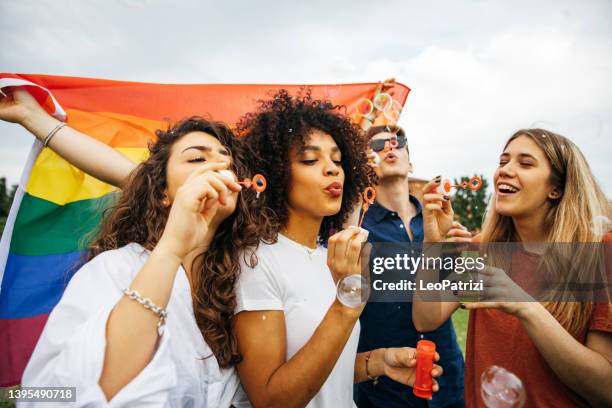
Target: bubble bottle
{"points": [[423, 381]]}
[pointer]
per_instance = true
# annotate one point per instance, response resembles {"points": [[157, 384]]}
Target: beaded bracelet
{"points": [[148, 304]]}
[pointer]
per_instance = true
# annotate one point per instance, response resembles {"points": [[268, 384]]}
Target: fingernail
{"points": [[462, 306], [446, 197]]}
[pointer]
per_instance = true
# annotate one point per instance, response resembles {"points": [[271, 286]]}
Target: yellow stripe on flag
{"points": [[54, 179]]}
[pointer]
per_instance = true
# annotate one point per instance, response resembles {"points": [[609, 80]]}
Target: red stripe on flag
{"points": [[18, 337]]}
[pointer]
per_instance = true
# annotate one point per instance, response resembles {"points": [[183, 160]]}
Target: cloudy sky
{"points": [[479, 70]]}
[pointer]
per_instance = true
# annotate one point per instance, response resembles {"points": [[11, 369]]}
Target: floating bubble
{"points": [[392, 112], [353, 290], [382, 101], [365, 107], [499, 388]]}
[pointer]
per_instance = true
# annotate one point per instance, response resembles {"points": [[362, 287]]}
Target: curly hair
{"points": [[139, 216], [285, 122]]}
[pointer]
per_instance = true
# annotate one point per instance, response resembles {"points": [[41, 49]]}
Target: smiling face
{"points": [[522, 180], [317, 176], [187, 155], [395, 162]]}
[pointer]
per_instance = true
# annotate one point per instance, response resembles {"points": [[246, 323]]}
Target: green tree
{"points": [[470, 206], [6, 198]]}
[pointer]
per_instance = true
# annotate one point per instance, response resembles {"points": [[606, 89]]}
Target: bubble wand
{"points": [[258, 183], [474, 184]]}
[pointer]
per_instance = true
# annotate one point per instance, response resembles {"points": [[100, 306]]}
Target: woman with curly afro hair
{"points": [[297, 340]]}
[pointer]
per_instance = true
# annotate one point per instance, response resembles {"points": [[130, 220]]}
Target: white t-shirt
{"points": [[70, 351], [300, 284]]}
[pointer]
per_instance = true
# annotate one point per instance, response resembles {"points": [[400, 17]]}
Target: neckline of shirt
{"points": [[302, 248]]}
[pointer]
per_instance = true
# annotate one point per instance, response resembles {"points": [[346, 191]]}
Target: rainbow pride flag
{"points": [[57, 205]]}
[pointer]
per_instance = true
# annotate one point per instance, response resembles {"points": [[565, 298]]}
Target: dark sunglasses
{"points": [[395, 142]]}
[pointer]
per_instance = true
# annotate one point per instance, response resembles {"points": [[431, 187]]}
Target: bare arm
{"points": [[427, 313], [270, 380], [131, 330], [82, 151], [587, 369]]}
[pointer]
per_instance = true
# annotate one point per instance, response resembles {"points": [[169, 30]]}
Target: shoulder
{"points": [[131, 252], [267, 264], [607, 238], [117, 267]]}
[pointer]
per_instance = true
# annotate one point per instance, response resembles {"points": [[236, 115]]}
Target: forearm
{"points": [[131, 330], [428, 310], [82, 151], [583, 370], [297, 381], [428, 316], [375, 366]]}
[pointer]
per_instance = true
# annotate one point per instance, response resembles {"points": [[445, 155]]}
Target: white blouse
{"points": [[70, 351]]}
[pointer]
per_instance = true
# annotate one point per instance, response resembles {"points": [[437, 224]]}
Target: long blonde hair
{"points": [[569, 218]]}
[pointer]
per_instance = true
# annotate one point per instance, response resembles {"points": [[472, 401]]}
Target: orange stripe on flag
{"points": [[115, 129]]}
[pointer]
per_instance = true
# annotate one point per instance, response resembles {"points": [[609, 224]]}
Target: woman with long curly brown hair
{"points": [[298, 341], [148, 319]]}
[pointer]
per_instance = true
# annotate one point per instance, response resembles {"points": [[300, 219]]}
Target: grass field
{"points": [[460, 321]]}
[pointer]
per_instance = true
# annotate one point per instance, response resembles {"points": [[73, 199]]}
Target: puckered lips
{"points": [[390, 157], [334, 189]]}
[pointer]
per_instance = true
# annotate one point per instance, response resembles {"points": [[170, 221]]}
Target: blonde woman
{"points": [[562, 351]]}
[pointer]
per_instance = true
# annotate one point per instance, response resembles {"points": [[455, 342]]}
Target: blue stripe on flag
{"points": [[32, 285]]}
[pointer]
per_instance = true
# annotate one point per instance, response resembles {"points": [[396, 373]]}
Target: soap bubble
{"points": [[365, 107], [499, 388], [353, 291], [382, 101], [393, 111]]}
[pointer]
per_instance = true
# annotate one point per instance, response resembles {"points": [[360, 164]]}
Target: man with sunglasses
{"points": [[396, 217]]}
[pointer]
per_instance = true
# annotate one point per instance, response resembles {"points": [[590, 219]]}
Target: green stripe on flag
{"points": [[45, 228]]}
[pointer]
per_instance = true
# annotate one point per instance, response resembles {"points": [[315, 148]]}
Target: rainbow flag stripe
{"points": [[57, 206]]}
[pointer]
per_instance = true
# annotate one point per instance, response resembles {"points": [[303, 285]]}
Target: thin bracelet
{"points": [[367, 358], [148, 304], [52, 133]]}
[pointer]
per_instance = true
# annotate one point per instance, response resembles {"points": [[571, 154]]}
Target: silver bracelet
{"points": [[148, 304], [52, 133]]}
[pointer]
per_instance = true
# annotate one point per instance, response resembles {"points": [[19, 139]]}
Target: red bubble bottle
{"points": [[423, 382]]}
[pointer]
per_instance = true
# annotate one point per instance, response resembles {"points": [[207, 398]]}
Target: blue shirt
{"points": [[385, 324]]}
